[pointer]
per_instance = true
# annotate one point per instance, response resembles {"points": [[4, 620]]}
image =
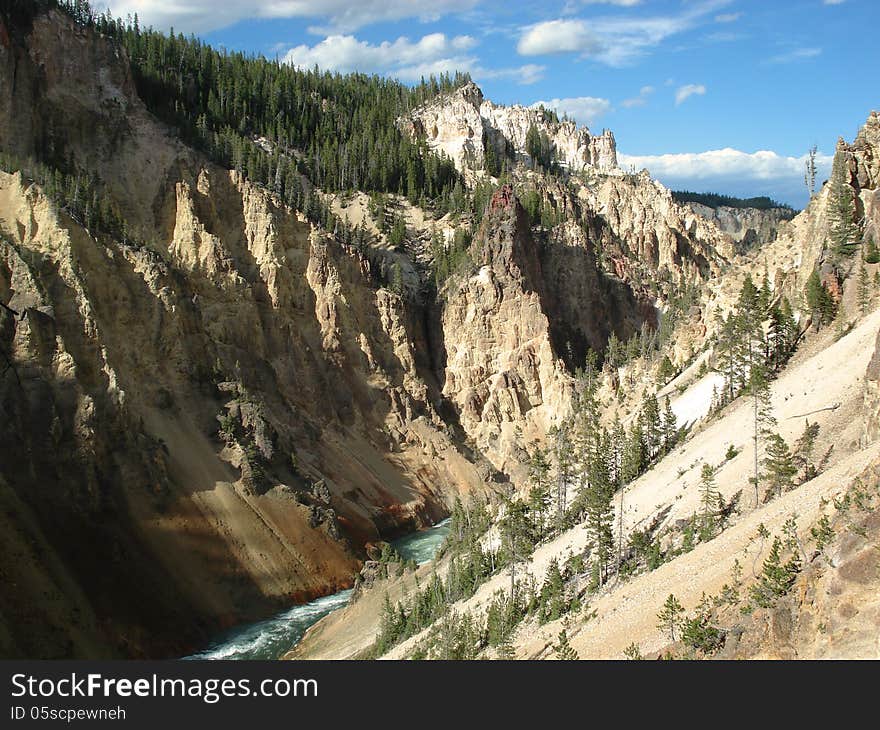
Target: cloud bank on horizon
{"points": [[745, 174], [711, 77]]}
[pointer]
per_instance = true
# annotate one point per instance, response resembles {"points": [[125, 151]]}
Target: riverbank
{"points": [[280, 634]]}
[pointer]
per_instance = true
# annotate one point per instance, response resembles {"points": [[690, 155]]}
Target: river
{"points": [[272, 637]]}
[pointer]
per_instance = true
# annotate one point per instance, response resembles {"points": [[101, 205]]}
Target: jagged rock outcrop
{"points": [[746, 226], [802, 244], [462, 123], [642, 226], [499, 367], [510, 324]]}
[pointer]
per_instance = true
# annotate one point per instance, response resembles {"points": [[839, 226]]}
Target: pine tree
{"points": [[666, 371], [669, 426], [539, 494], [614, 351], [552, 593], [843, 230], [763, 419], [389, 626], [634, 455], [751, 348], [779, 466], [565, 467], [810, 171], [600, 515], [618, 447], [803, 451], [819, 299], [709, 501], [728, 340], [782, 334], [517, 538], [397, 278], [652, 427], [864, 291], [491, 163], [670, 616], [699, 632], [563, 649], [822, 533], [872, 254], [776, 577]]}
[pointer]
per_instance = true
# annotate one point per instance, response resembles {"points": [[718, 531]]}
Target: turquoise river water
{"points": [[272, 637]]}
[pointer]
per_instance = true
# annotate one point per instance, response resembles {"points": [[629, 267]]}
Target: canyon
{"points": [[226, 410]]}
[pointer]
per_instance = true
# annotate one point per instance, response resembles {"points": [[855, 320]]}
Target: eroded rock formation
{"points": [[462, 123]]}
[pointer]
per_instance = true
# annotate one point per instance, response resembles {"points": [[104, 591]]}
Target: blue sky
{"points": [[721, 95]]}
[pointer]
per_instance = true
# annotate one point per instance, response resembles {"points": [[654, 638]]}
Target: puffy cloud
{"points": [[731, 171], [347, 53], [342, 16], [584, 109], [614, 40], [688, 90], [405, 59], [557, 36]]}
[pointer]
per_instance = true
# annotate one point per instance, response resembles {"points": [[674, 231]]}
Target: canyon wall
{"points": [[214, 414]]}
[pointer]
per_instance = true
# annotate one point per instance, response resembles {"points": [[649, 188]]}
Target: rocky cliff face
{"points": [[833, 609], [509, 325], [461, 124], [219, 415], [746, 226], [802, 245], [647, 230]]}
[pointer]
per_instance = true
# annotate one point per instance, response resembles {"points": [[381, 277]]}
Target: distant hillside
{"points": [[716, 200]]}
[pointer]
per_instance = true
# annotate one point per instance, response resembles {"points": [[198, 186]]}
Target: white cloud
{"points": [[530, 73], [404, 59], [639, 100], [557, 36], [347, 53], [584, 109], [342, 16], [621, 3], [614, 40], [731, 171], [727, 17], [688, 90], [799, 54], [833, 2]]}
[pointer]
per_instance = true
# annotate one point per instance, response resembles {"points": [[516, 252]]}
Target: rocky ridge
{"points": [[463, 123], [746, 226]]}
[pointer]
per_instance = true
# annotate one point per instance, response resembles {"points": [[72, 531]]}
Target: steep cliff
{"points": [[806, 238], [219, 412], [746, 226], [462, 124]]}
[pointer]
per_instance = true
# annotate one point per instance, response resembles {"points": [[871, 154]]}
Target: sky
{"points": [[709, 95]]}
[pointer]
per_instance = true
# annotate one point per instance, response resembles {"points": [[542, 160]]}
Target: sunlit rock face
{"points": [[463, 123]]}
